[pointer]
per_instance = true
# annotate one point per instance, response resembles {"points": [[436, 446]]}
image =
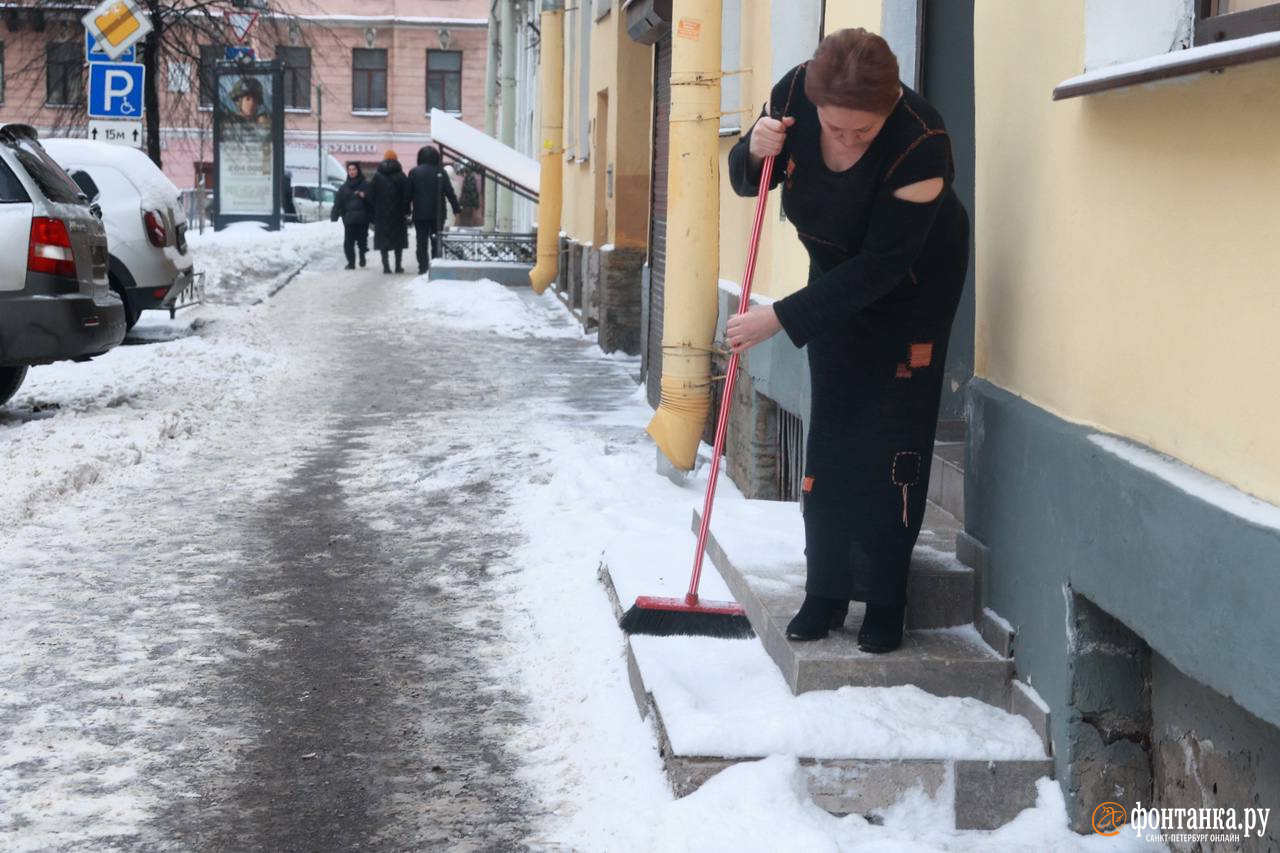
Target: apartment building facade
{"points": [[360, 77]]}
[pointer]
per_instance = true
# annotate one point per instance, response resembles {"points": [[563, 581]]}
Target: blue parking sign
{"points": [[115, 89], [93, 53]]}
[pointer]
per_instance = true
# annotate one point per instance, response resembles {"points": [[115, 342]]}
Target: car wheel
{"points": [[130, 313], [10, 381]]}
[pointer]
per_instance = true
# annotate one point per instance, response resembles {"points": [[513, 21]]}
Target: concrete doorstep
{"points": [[751, 548]]}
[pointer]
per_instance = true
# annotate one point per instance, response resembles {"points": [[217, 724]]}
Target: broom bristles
{"points": [[662, 622]]}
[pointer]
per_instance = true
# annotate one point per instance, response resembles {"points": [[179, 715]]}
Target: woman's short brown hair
{"points": [[854, 69]]}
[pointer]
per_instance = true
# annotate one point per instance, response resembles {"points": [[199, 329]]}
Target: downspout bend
{"points": [[693, 232], [551, 81]]}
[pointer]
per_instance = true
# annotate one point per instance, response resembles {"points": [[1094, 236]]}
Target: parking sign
{"points": [[115, 89]]}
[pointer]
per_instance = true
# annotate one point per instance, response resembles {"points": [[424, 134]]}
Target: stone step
{"points": [[941, 590], [946, 477], [984, 792], [757, 547]]}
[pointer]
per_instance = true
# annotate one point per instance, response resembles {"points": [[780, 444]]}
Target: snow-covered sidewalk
{"points": [[486, 477]]}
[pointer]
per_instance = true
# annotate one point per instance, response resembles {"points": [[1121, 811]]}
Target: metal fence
{"points": [[198, 205], [462, 245], [790, 456]]}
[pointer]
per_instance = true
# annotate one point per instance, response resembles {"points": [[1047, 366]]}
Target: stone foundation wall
{"points": [[1109, 719], [618, 298]]}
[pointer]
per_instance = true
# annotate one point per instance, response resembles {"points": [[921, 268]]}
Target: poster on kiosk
{"points": [[248, 142]]}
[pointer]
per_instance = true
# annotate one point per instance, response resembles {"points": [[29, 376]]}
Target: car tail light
{"points": [[155, 228], [50, 248]]}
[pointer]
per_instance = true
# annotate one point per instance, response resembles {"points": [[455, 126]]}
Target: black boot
{"points": [[399, 265], [386, 263], [881, 629], [349, 266], [362, 258], [817, 617]]}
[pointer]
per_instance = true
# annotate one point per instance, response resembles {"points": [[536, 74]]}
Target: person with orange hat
{"points": [[389, 192]]}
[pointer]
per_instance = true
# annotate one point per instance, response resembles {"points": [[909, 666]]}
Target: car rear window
{"points": [[11, 189], [48, 175]]}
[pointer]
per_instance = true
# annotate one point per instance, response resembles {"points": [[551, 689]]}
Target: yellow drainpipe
{"points": [[549, 181], [693, 231]]}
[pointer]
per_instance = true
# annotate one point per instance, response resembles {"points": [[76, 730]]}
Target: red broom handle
{"points": [[726, 401]]}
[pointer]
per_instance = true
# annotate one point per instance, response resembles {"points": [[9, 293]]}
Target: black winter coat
{"points": [[429, 183], [352, 203], [390, 196]]}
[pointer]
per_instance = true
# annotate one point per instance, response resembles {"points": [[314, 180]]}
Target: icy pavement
{"points": [[320, 574]]}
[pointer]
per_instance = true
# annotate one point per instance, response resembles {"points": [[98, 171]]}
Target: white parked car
{"points": [[150, 266], [313, 202]]}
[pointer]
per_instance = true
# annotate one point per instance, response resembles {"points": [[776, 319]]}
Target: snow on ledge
{"points": [[1195, 483], [1190, 61], [483, 149], [734, 289]]}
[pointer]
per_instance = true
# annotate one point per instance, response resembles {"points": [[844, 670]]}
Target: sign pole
{"points": [[320, 181]]}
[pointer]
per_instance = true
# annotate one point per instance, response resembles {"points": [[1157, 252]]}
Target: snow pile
{"points": [[245, 264], [73, 424], [488, 306], [763, 806]]}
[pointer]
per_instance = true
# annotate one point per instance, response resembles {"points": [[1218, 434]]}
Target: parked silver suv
{"points": [[55, 301]]}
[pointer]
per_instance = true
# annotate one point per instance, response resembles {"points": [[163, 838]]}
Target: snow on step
{"points": [[726, 699]]}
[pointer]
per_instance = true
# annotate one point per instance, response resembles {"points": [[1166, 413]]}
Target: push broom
{"points": [[667, 617]]}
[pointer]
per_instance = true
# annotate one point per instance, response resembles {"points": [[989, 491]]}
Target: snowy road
{"points": [[275, 639]]}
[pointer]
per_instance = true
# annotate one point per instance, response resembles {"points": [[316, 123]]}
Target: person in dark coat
{"points": [[287, 208], [430, 187], [353, 207], [867, 173], [390, 195]]}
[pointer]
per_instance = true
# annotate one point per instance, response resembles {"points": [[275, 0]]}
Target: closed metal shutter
{"points": [[658, 217]]}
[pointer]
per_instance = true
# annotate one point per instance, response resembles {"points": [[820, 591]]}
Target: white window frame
{"points": [[731, 114]]}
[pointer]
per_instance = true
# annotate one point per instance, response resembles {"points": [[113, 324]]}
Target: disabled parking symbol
{"points": [[115, 89]]}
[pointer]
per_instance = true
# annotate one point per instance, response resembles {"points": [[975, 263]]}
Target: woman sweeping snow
{"points": [[867, 171]]}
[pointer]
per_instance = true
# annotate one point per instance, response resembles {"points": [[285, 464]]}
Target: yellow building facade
{"points": [[1121, 491]]}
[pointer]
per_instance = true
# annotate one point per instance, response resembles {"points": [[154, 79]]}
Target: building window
{"points": [[1220, 20], [368, 79], [297, 76], [64, 85], [444, 80], [210, 55]]}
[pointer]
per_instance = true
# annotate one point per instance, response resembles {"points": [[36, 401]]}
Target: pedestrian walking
{"points": [[430, 188], [866, 170], [353, 207], [390, 195]]}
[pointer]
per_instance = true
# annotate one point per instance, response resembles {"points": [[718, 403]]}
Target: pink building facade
{"points": [[368, 72]]}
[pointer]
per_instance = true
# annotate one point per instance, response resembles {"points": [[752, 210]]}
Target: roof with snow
{"points": [[480, 148]]}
